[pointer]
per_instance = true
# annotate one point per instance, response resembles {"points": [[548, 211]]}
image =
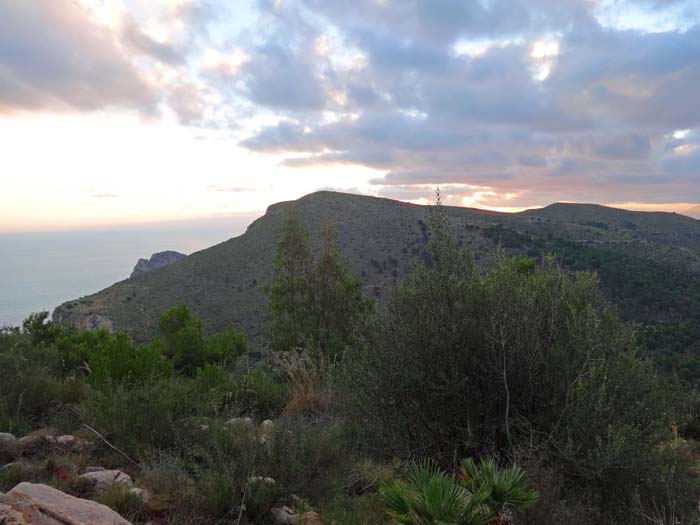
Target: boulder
{"points": [[71, 443], [103, 480], [266, 428], [8, 448], [260, 479], [7, 442], [143, 494], [37, 504], [284, 515], [34, 443]]}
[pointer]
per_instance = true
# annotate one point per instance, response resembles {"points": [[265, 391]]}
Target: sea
{"points": [[39, 271]]}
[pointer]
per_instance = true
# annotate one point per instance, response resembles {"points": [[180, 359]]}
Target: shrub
{"points": [[32, 391], [309, 457], [129, 505], [182, 340], [114, 358], [159, 414], [307, 376], [259, 395]]}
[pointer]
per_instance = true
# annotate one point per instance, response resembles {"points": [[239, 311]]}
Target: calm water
{"points": [[39, 271]]}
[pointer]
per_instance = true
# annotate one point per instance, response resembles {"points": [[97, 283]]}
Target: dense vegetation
{"points": [[663, 301], [507, 392]]}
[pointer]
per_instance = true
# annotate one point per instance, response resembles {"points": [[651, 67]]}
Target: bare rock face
{"points": [[37, 504], [95, 322], [157, 260]]}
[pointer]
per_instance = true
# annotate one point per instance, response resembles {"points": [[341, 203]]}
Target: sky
{"points": [[131, 111]]}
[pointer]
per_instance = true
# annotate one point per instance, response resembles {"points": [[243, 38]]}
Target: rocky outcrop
{"points": [[157, 260], [95, 322], [37, 504]]}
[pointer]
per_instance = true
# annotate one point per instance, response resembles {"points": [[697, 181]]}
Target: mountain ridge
{"points": [[379, 238]]}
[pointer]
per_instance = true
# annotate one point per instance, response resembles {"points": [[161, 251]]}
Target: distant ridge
{"points": [[379, 238]]}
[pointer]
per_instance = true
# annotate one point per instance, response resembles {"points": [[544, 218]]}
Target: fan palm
{"points": [[507, 489], [429, 496]]}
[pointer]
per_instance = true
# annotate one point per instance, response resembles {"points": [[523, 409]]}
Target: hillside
{"points": [[649, 263]]}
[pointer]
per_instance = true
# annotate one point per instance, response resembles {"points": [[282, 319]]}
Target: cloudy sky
{"points": [[116, 111]]}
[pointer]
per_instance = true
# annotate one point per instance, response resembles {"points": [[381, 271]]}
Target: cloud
{"points": [[546, 91], [529, 99], [684, 163], [84, 55], [279, 77], [54, 54], [133, 35]]}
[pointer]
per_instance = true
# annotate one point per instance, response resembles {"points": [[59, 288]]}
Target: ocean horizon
{"points": [[41, 270]]}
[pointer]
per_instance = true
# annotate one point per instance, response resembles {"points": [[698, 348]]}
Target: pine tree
{"points": [[338, 300], [290, 292], [313, 304]]}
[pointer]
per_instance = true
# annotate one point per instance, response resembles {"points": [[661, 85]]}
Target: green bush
{"points": [[182, 340], [309, 458], [32, 392], [258, 394], [160, 414], [115, 358]]}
